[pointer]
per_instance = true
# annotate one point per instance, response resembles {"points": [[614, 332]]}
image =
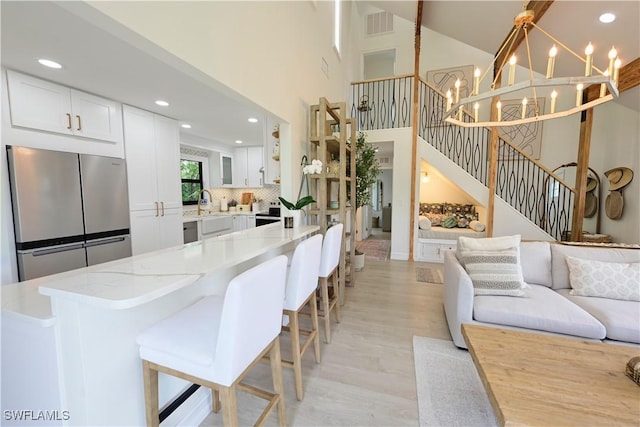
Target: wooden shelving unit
{"points": [[338, 185]]}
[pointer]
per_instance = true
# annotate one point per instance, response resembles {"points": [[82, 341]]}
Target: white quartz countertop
{"points": [[139, 279]]}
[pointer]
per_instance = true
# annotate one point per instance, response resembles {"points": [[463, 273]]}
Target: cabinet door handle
{"points": [[162, 205], [157, 212], [69, 121], [79, 123], [246, 182]]}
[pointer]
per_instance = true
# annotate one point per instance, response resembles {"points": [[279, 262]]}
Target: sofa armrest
{"points": [[458, 297]]}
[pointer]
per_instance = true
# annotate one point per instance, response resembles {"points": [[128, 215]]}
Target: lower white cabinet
{"points": [[432, 250], [239, 222], [152, 230]]}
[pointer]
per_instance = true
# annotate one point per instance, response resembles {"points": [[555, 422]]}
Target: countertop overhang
{"points": [[136, 280]]}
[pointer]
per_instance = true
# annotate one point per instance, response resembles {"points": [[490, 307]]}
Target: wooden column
{"points": [[582, 168], [416, 123]]}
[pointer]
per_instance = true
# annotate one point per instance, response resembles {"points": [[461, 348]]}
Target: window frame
{"points": [[192, 181]]}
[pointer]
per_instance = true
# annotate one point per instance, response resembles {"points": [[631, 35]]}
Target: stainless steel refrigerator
{"points": [[69, 210]]}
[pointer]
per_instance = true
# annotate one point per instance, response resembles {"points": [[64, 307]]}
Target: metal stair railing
{"points": [[529, 187]]}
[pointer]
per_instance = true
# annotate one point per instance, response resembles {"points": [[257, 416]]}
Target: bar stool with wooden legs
{"points": [[302, 282], [329, 262], [216, 341]]}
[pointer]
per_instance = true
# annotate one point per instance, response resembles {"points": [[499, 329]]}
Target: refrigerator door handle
{"points": [[162, 205], [41, 252], [104, 242], [157, 212]]}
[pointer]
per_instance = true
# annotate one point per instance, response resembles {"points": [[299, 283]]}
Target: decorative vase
{"points": [[296, 214], [358, 261]]}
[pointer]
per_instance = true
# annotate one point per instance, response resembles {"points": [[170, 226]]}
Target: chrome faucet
{"points": [[204, 190]]}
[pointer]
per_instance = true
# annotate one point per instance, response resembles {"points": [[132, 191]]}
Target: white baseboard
{"points": [[400, 256], [193, 411]]}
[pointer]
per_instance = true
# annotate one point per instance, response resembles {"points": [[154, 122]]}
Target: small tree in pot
{"points": [[367, 171]]}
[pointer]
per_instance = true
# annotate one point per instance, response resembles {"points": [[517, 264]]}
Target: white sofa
{"points": [[548, 306]]}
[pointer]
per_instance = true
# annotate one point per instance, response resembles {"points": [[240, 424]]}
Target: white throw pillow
{"points": [[494, 272], [476, 226], [613, 280], [424, 223], [489, 243]]}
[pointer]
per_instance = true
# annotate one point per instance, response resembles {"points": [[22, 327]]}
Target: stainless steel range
{"points": [[264, 218]]}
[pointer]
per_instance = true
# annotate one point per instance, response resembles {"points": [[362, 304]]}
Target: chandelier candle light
{"points": [[607, 79]]}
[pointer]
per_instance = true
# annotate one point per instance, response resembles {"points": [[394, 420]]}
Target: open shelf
{"points": [[325, 145]]}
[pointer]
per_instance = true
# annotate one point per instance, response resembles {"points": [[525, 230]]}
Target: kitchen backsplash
{"points": [[263, 195]]}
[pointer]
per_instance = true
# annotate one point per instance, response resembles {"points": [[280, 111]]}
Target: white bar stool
{"points": [[302, 282], [329, 269], [216, 341]]}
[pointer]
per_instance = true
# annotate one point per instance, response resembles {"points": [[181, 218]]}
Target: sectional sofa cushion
{"points": [[615, 280], [535, 258], [559, 252], [620, 318], [542, 310]]}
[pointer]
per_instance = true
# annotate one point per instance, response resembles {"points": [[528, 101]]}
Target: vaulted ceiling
{"points": [[102, 63]]}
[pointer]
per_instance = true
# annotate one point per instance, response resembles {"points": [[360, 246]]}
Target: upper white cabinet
{"points": [[248, 170], [152, 151], [39, 104]]}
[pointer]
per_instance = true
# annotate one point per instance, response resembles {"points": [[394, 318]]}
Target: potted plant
{"points": [[296, 208], [367, 171]]}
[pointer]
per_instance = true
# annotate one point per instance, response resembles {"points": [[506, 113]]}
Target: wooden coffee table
{"points": [[536, 379]]}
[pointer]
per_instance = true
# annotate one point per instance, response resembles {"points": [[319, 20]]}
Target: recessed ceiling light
{"points": [[49, 63], [238, 141], [252, 120], [607, 18], [186, 125], [162, 103]]}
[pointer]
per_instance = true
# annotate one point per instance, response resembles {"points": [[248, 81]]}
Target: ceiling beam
{"points": [[629, 78], [539, 8]]}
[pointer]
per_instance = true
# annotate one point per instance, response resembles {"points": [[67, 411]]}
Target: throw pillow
{"points": [[476, 226], [424, 223], [613, 280], [434, 218], [489, 243], [494, 272]]}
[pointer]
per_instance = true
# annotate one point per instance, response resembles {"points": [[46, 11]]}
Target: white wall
{"points": [[257, 50]]}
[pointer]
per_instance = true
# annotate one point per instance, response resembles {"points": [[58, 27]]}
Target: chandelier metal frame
{"points": [[606, 79]]}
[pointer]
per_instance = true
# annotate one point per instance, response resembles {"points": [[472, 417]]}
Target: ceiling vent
{"points": [[379, 23]]}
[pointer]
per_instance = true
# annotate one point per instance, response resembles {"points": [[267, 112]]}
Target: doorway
{"points": [[379, 64]]}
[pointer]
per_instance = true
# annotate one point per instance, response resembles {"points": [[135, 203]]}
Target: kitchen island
{"points": [[84, 359]]}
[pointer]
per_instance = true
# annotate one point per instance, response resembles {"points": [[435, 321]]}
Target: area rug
{"points": [[430, 275], [450, 392], [375, 249]]}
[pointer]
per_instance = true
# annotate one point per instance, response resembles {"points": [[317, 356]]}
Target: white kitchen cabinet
{"points": [[251, 221], [432, 250], [151, 231], [39, 104], [248, 170], [152, 152], [239, 222]]}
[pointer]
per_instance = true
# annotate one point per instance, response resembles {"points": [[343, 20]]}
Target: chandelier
{"points": [[530, 108]]}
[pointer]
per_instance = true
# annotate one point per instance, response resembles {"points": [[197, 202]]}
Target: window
{"points": [[337, 22], [191, 174]]}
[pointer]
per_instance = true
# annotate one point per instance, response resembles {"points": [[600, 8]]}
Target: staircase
{"points": [[523, 183]]}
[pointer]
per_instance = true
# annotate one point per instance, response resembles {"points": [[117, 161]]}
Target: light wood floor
{"points": [[366, 377]]}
